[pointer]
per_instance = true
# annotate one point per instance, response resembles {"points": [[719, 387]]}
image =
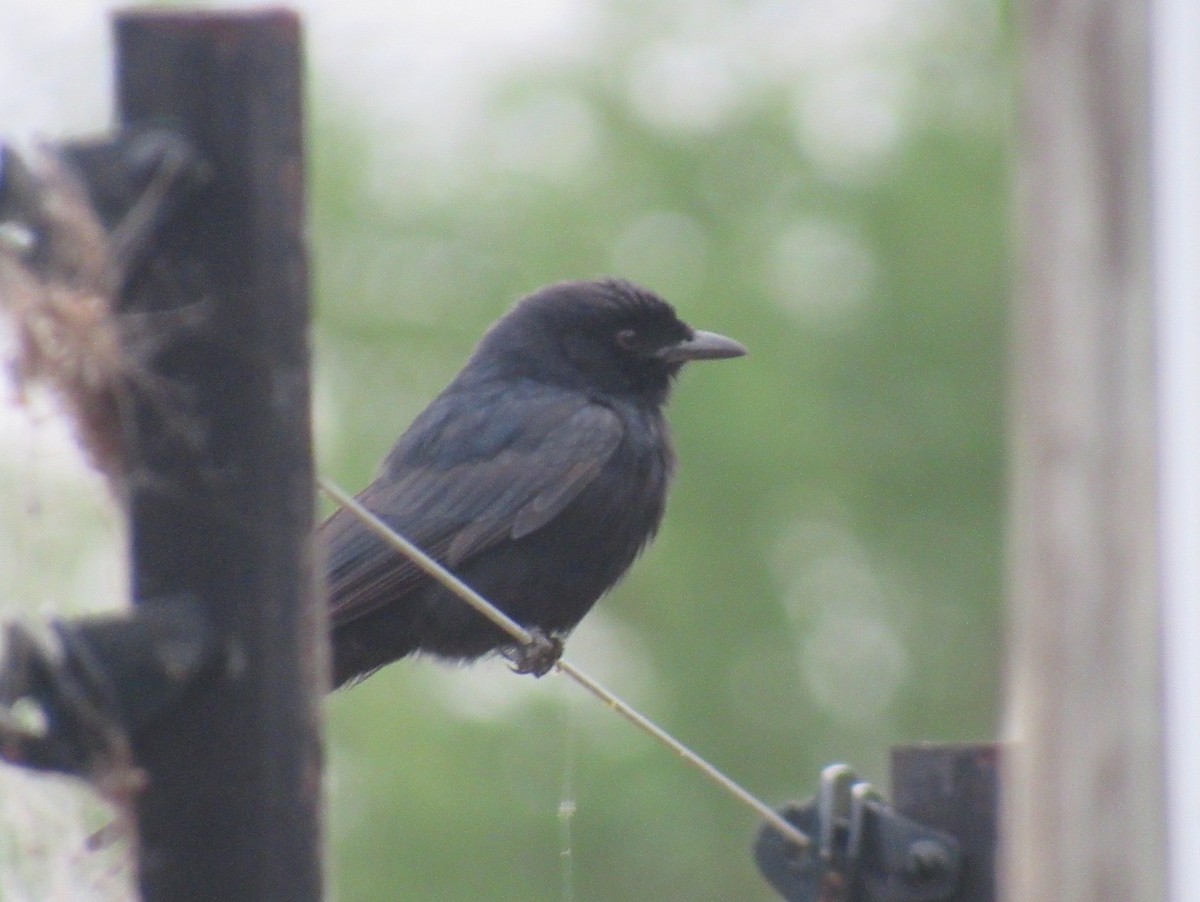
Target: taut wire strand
{"points": [[563, 666]]}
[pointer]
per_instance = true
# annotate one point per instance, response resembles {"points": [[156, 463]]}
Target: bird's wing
{"points": [[513, 482]]}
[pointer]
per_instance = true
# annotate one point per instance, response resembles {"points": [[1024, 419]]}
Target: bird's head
{"points": [[608, 335]]}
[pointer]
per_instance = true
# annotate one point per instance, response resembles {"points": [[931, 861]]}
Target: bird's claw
{"points": [[537, 656]]}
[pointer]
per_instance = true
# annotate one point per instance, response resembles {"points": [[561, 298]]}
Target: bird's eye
{"points": [[627, 339]]}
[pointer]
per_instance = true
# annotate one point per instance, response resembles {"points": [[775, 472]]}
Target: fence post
{"points": [[956, 789], [1084, 793], [222, 490]]}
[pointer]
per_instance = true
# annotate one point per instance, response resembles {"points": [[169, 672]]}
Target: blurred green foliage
{"points": [[828, 577]]}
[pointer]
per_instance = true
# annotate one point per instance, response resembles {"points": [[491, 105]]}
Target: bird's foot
{"points": [[538, 656]]}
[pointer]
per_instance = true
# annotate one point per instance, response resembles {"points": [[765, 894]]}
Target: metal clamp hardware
{"points": [[864, 850], [74, 693]]}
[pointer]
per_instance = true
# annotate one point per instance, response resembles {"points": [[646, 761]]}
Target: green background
{"points": [[827, 580]]}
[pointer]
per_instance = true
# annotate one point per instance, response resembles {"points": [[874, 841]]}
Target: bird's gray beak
{"points": [[703, 346]]}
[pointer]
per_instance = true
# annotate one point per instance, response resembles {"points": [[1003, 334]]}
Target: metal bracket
{"points": [[130, 183], [78, 221], [72, 696], [863, 851]]}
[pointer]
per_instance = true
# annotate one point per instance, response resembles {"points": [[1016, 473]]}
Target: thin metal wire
{"points": [[563, 666]]}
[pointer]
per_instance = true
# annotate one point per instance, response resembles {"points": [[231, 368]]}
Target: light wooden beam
{"points": [[1084, 792]]}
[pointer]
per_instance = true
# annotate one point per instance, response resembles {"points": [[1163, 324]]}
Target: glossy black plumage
{"points": [[537, 476]]}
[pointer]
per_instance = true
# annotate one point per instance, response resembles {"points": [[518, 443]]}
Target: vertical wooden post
{"points": [[955, 789], [1084, 790], [222, 496]]}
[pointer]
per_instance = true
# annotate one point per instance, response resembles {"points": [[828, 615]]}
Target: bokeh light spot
{"points": [[664, 250], [685, 86], [820, 272]]}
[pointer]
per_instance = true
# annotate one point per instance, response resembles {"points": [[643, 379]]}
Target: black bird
{"points": [[537, 476]]}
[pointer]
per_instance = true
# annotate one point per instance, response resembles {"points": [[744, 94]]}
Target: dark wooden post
{"points": [[222, 497], [955, 789]]}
